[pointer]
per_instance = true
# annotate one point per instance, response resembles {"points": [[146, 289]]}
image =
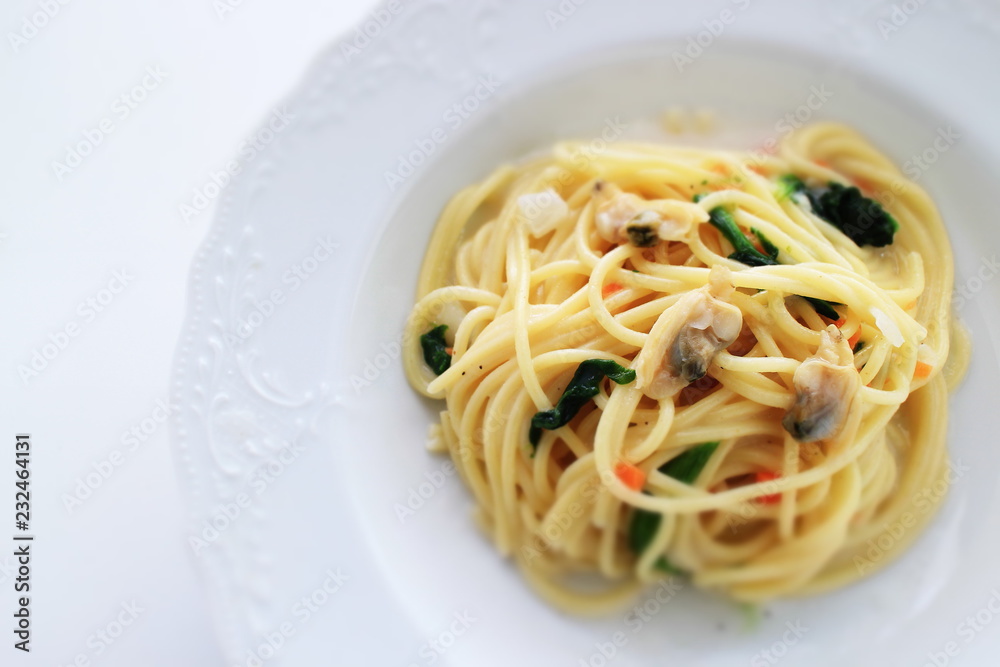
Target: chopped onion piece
{"points": [[888, 327], [542, 211]]}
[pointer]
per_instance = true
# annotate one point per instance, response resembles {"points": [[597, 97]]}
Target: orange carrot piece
{"points": [[864, 185], [610, 288], [853, 340], [771, 498], [922, 370], [632, 477]]}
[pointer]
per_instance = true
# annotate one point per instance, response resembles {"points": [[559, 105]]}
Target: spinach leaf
{"points": [[643, 526], [747, 254], [664, 565], [765, 243], [435, 349], [583, 387], [641, 530], [686, 467], [824, 308], [744, 253], [788, 185], [861, 218]]}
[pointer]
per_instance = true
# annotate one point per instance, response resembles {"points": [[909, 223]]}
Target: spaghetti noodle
{"points": [[660, 360]]}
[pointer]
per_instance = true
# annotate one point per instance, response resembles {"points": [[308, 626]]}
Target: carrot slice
{"points": [[768, 476], [922, 370], [610, 288], [865, 185], [632, 477], [853, 340]]}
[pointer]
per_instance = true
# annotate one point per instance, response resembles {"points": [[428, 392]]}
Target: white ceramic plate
{"points": [[298, 438]]}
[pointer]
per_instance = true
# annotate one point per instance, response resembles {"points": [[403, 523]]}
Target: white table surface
{"points": [[63, 236]]}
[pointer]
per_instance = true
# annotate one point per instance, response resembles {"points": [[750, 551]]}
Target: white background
{"points": [[62, 239]]}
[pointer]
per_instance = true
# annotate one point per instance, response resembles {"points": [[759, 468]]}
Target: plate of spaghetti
{"points": [[690, 362], [670, 339]]}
